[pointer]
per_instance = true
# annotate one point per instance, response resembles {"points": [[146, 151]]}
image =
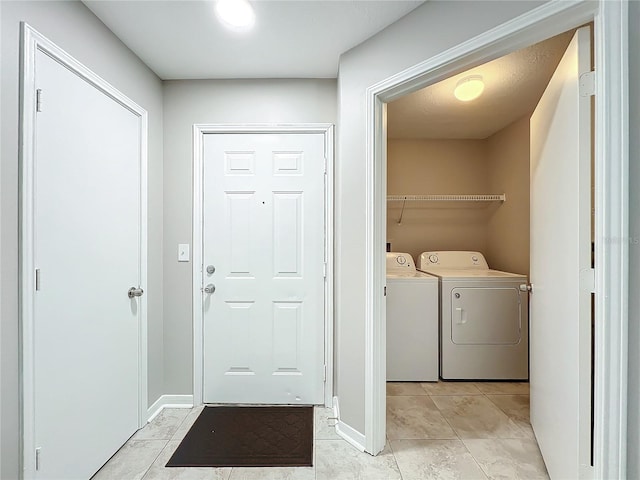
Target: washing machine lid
{"points": [[456, 259], [475, 274], [399, 262], [409, 275]]}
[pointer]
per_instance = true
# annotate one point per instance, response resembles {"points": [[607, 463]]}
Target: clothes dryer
{"points": [[484, 330], [412, 321]]}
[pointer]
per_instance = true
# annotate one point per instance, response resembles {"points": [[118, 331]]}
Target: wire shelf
{"points": [[447, 198]]}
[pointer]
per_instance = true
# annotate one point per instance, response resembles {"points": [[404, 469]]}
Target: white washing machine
{"points": [[412, 321], [484, 321]]}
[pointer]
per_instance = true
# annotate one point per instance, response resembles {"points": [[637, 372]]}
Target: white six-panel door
{"points": [[87, 249], [264, 253], [561, 266]]}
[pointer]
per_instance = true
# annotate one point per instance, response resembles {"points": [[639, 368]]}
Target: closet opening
{"points": [[485, 199]]}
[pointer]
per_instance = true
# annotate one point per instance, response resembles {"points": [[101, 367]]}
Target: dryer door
{"points": [[486, 316]]}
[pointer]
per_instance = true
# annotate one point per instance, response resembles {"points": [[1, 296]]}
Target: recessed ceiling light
{"points": [[469, 88], [236, 14]]}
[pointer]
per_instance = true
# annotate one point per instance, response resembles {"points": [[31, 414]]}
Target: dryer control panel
{"points": [[452, 260]]}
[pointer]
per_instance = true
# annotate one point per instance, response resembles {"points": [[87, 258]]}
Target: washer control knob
{"points": [[433, 258], [401, 259]]}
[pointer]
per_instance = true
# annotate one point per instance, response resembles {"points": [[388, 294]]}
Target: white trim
{"points": [[198, 255], [336, 408], [351, 435], [612, 222], [346, 432], [329, 146], [32, 42], [199, 130], [612, 137], [168, 401]]}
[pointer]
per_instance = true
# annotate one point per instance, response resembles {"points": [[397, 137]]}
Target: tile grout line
{"points": [[167, 441], [446, 419], [486, 474], [154, 460]]}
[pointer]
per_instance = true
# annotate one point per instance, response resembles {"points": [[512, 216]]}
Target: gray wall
{"points": [[633, 447], [427, 31], [74, 28], [214, 101]]}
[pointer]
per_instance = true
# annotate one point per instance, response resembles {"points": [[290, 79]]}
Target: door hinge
{"points": [[385, 291], [38, 458], [37, 279], [39, 100], [326, 160], [588, 280], [587, 84], [324, 269], [324, 374], [526, 287]]}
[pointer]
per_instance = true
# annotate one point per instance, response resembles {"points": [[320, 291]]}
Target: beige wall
{"points": [[421, 167], [498, 164], [508, 228]]}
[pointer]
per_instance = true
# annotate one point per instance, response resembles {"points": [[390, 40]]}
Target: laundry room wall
{"points": [[75, 29], [426, 32], [495, 165], [437, 167], [508, 226], [214, 101]]}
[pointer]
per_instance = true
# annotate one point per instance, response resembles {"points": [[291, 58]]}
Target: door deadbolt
{"points": [[211, 269]]}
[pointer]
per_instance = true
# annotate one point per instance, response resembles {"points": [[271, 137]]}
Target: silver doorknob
{"points": [[210, 288], [135, 292], [526, 287], [211, 269]]}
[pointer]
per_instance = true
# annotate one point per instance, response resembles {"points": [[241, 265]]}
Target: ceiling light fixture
{"points": [[469, 88], [236, 14]]}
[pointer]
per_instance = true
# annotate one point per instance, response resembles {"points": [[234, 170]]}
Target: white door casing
{"points": [[611, 220], [263, 229], [561, 265], [83, 246]]}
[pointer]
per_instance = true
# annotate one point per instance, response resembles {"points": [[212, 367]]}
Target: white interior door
{"points": [[264, 236], [87, 249], [560, 267]]}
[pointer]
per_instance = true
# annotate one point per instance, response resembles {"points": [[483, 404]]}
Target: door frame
{"points": [[199, 131], [33, 42], [612, 196]]}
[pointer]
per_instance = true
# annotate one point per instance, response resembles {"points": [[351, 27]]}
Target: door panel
{"points": [[264, 234], [486, 316], [560, 251], [87, 249]]}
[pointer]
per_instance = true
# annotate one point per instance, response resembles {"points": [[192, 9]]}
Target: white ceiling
{"points": [[291, 38], [513, 86]]}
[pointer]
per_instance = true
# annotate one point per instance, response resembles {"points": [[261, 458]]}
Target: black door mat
{"points": [[248, 437]]}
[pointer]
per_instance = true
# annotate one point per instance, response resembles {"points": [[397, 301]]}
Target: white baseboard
{"points": [[346, 432], [169, 401]]}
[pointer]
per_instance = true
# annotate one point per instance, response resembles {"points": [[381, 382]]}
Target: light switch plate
{"points": [[183, 252]]}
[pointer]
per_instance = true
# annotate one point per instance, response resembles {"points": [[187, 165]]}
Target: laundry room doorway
{"points": [[496, 176], [586, 458]]}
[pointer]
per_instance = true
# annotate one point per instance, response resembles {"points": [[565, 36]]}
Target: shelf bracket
{"points": [[404, 201]]}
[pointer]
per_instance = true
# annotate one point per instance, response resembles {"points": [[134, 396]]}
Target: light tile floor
{"points": [[444, 430]]}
